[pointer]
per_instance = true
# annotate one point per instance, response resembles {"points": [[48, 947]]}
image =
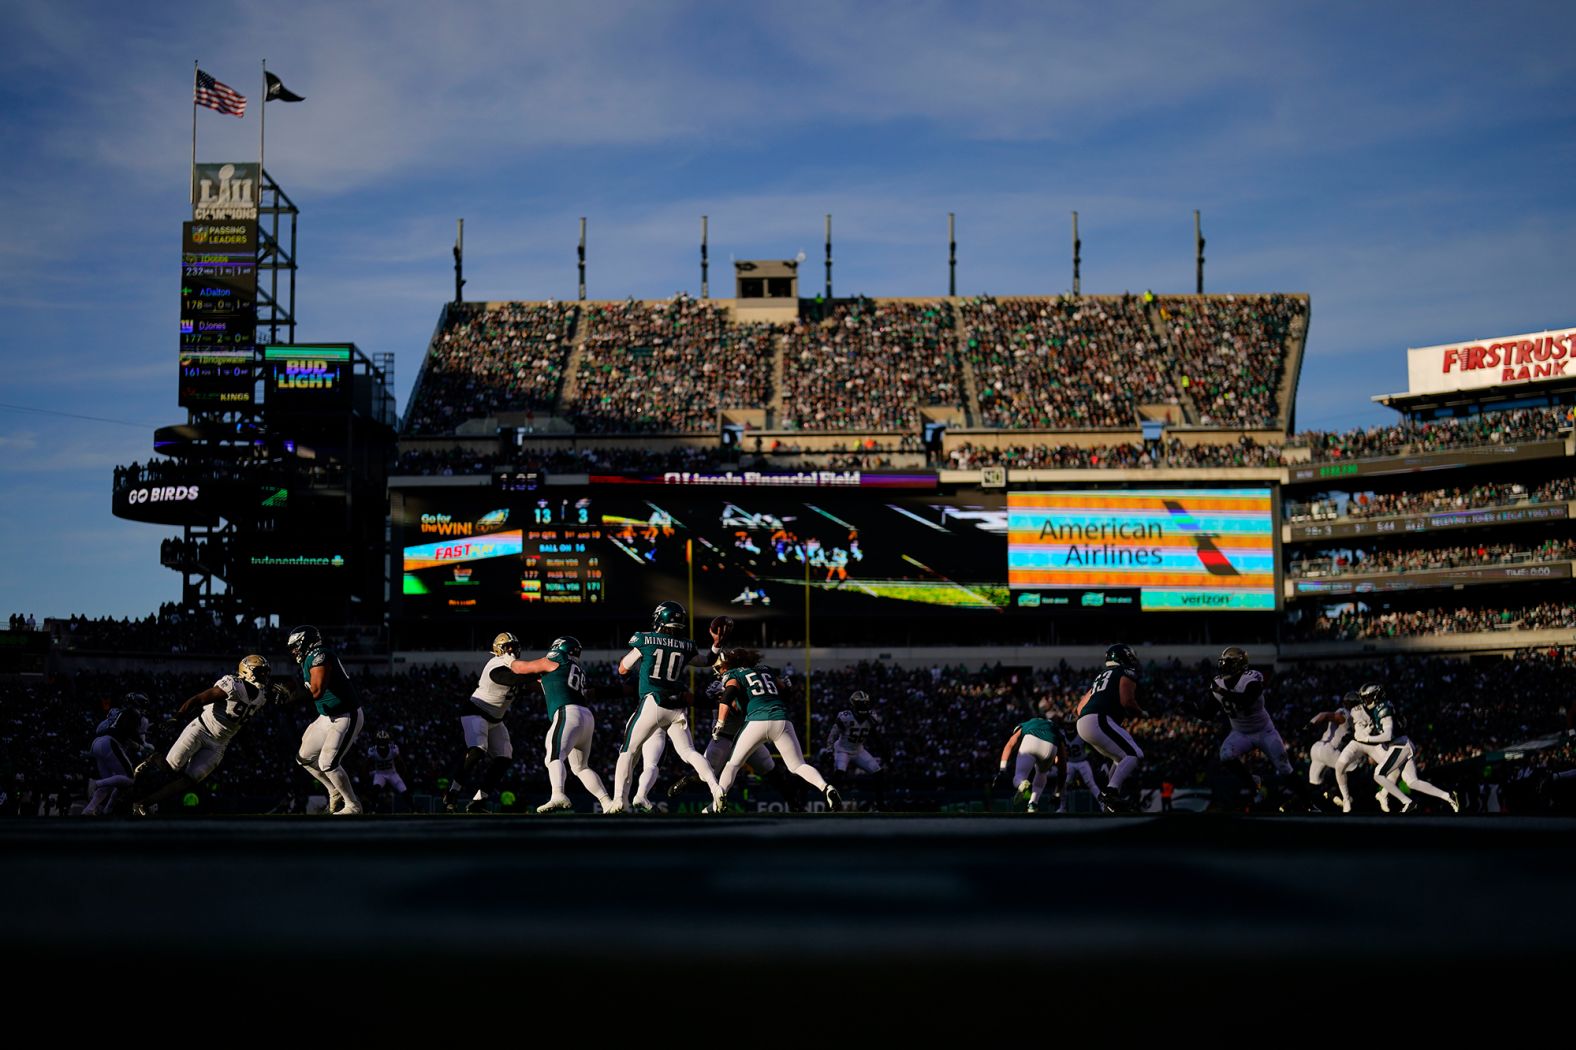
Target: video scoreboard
{"points": [[218, 320]]}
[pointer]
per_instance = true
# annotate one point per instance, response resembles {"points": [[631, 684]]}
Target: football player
{"points": [[1373, 728], [1239, 690], [724, 735], [328, 737], [1078, 764], [847, 738], [1400, 763], [752, 690], [222, 710], [1112, 699], [1325, 753], [1040, 752], [661, 655], [488, 749], [124, 726], [386, 779], [570, 721]]}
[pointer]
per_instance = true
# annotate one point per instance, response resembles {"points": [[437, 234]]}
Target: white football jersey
{"points": [[224, 718], [854, 729], [383, 757], [1372, 727], [1335, 734], [1242, 698], [489, 693]]}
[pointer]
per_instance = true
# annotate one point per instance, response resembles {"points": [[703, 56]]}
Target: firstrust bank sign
{"points": [[1537, 357]]}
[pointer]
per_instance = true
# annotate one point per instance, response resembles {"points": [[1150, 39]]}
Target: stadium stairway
{"points": [[1157, 324], [571, 386], [971, 386], [774, 406]]}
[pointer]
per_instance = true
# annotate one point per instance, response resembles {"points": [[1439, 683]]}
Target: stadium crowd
{"points": [[1354, 624], [869, 366], [1082, 362], [1362, 562], [510, 357], [1406, 438], [667, 366], [1244, 452], [1433, 501], [1230, 353], [941, 728]]}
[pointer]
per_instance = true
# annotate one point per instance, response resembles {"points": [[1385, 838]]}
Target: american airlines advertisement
{"points": [[1161, 550]]}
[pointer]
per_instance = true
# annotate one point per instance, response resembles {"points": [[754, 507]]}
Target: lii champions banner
{"points": [[1181, 550]]}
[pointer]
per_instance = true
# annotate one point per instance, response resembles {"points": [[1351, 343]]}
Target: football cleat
{"points": [[138, 809], [834, 801], [1455, 802], [1384, 799], [349, 809], [614, 807], [641, 805], [335, 801], [682, 783], [476, 805], [552, 805], [1034, 807], [1343, 805]]}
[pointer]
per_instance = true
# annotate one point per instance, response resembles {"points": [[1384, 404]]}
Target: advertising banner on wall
{"points": [[1537, 357]]}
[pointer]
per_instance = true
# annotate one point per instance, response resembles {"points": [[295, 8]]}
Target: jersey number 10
{"points": [[675, 664]]}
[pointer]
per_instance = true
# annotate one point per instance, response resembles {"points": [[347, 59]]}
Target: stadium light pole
{"points": [[704, 292], [459, 262], [1198, 246], [1077, 245], [828, 258], [582, 258], [952, 255]]}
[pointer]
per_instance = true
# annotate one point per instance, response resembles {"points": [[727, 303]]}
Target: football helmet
{"points": [[1232, 661], [1120, 655], [670, 618], [861, 701], [568, 644], [1370, 694], [139, 701], [302, 641], [254, 669], [505, 644]]}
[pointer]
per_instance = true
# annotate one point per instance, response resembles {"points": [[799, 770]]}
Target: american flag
{"points": [[219, 96]]}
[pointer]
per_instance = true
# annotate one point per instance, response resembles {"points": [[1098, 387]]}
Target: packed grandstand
{"points": [[1432, 553]]}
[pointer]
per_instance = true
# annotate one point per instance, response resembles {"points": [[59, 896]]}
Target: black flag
{"points": [[277, 92]]}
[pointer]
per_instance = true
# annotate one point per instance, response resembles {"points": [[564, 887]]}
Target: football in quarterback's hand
{"points": [[722, 627]]}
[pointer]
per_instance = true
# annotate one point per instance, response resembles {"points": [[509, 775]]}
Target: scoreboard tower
{"points": [[277, 477]]}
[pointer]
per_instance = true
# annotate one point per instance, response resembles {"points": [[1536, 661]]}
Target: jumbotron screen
{"points": [[615, 551], [1157, 550]]}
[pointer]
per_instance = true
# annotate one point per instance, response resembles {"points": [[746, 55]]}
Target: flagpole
{"points": [[262, 139], [192, 197]]}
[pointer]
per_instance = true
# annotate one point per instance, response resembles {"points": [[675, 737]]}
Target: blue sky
{"points": [[1406, 165]]}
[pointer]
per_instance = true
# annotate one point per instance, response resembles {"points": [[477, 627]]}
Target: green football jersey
{"points": [[1043, 728], [757, 691], [565, 686], [663, 658]]}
